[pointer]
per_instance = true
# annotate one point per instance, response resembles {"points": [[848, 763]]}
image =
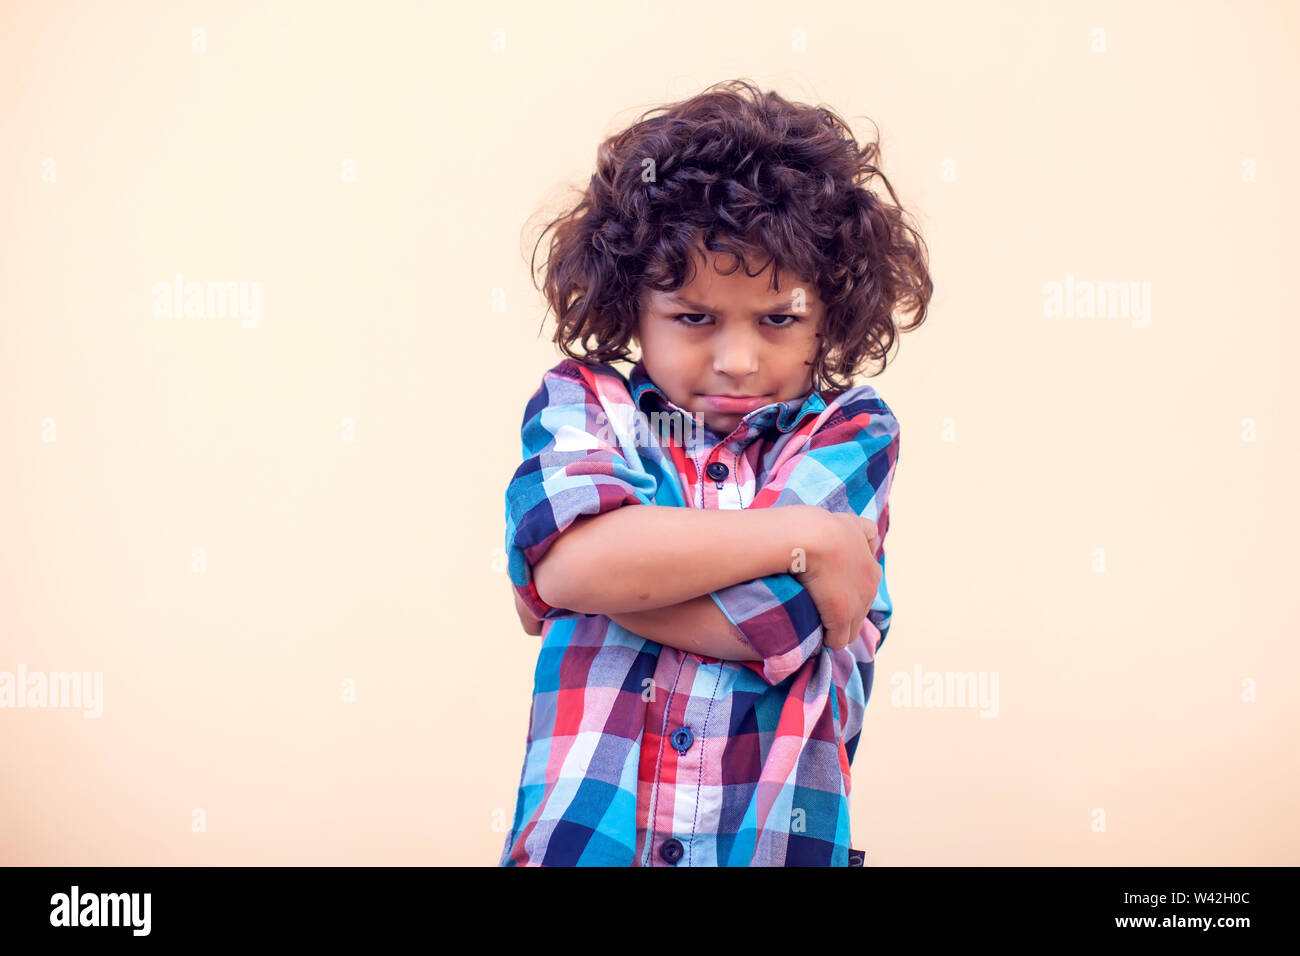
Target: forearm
{"points": [[642, 557], [696, 625]]}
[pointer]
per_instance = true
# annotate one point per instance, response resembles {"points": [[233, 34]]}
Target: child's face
{"points": [[742, 339]]}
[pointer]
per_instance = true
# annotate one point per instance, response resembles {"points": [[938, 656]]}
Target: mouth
{"points": [[735, 403]]}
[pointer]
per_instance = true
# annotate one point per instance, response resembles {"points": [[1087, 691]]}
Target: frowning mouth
{"points": [[735, 403]]}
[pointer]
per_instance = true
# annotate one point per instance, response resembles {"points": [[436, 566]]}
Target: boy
{"points": [[710, 585]]}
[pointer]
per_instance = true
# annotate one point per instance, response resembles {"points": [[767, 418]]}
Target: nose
{"points": [[735, 354]]}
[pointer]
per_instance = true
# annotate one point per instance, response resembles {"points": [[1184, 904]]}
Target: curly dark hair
{"points": [[740, 171]]}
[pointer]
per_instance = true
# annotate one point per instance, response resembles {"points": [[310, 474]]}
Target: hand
{"points": [[532, 625], [842, 574]]}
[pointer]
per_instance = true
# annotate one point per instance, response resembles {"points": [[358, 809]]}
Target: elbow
{"points": [[556, 580], [548, 579], [559, 576]]}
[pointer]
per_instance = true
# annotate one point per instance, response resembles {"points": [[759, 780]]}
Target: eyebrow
{"points": [[771, 310]]}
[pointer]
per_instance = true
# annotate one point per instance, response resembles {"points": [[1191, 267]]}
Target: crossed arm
{"points": [[798, 569], [697, 625], [661, 589]]}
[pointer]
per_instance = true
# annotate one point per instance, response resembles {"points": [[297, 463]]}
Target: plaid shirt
{"points": [[642, 755]]}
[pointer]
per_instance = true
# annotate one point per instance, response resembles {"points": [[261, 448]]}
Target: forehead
{"points": [[723, 301], [712, 291]]}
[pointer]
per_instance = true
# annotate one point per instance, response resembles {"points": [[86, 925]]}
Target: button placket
{"points": [[681, 817], [721, 471]]}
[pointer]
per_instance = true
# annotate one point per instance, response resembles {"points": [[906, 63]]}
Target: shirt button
{"points": [[672, 850], [682, 740], [717, 470]]}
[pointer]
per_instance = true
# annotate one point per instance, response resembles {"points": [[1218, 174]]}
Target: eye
{"points": [[682, 317]]}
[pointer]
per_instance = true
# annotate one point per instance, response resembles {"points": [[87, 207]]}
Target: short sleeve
{"points": [[845, 464], [576, 462]]}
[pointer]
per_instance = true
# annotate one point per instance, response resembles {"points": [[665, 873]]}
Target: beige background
{"points": [[1100, 512]]}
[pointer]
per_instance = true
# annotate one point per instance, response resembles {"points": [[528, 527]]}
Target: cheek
{"points": [[804, 352]]}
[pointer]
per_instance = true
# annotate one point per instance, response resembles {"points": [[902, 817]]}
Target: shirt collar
{"points": [[785, 416]]}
